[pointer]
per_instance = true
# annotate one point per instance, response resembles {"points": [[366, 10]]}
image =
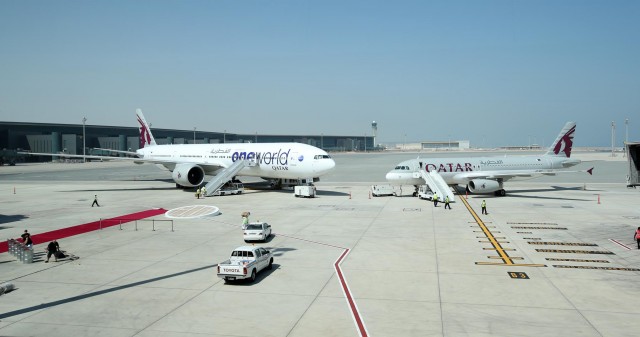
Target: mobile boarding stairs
{"points": [[436, 184], [227, 174]]}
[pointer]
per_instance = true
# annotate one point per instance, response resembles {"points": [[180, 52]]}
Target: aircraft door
{"points": [[296, 160]]}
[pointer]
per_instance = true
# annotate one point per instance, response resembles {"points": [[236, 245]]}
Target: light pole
{"points": [[84, 147], [194, 134], [613, 137], [365, 142]]}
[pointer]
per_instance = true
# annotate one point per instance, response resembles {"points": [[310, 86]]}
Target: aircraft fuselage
{"points": [[460, 170], [272, 160]]}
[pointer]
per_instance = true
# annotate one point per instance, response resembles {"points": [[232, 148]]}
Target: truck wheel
{"points": [[253, 275], [270, 264]]}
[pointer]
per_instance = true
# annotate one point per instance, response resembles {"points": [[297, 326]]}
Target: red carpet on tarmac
{"points": [[88, 227]]}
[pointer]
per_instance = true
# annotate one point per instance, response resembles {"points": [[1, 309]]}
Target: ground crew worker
{"points": [[637, 237], [26, 238], [95, 201], [435, 200], [204, 191], [198, 193], [446, 202], [484, 207], [245, 219]]}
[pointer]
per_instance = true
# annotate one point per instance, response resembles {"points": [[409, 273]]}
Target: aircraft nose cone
{"points": [[391, 176], [326, 166]]}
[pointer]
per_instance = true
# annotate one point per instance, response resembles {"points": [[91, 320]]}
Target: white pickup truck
{"points": [[245, 263]]}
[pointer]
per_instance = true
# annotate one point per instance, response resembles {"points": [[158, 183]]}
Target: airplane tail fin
{"points": [[561, 147], [146, 138]]}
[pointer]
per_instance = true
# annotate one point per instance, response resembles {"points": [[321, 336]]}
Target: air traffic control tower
{"points": [[374, 129], [633, 151]]}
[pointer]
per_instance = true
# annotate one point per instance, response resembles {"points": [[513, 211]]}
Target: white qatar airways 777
{"points": [[487, 174], [191, 163]]}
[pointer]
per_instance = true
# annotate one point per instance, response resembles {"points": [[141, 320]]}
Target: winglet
{"points": [[146, 138], [590, 171]]}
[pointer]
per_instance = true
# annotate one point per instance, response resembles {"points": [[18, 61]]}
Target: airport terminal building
{"points": [[87, 139]]}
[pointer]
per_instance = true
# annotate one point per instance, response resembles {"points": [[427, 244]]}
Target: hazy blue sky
{"points": [[498, 72]]}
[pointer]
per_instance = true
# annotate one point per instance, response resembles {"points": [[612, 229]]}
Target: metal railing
{"points": [[135, 221], [21, 251]]}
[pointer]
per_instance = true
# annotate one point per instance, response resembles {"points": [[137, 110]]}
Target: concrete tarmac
{"points": [[555, 257]]}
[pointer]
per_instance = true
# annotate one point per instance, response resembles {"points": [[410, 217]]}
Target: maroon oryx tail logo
{"points": [[567, 141], [145, 136]]}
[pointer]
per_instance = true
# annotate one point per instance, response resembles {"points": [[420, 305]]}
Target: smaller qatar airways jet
{"points": [[190, 163], [487, 174]]}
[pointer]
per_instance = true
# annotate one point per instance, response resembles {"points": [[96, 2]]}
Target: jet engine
{"points": [[188, 175], [484, 186]]}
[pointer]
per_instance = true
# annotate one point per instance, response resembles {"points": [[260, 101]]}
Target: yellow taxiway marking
{"points": [[502, 252]]}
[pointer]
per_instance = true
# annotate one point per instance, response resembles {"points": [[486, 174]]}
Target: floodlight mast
{"points": [[84, 143]]}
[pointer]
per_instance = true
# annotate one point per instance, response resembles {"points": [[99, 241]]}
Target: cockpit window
{"points": [[322, 156], [403, 168]]}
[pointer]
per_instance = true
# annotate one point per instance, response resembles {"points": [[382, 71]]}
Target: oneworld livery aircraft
{"points": [[190, 163], [487, 174]]}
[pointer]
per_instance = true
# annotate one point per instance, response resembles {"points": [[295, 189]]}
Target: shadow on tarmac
{"points": [[259, 277], [279, 251], [12, 218], [98, 293], [126, 189]]}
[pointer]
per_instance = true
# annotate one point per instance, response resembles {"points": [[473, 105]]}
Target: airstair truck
{"points": [[425, 192]]}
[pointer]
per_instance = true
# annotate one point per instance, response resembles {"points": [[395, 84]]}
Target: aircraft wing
{"points": [[129, 153], [66, 155], [166, 162], [505, 175]]}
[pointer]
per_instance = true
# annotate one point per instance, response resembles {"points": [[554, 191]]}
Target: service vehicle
{"points": [[381, 190], [257, 231], [424, 192], [245, 263], [230, 188], [308, 191]]}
